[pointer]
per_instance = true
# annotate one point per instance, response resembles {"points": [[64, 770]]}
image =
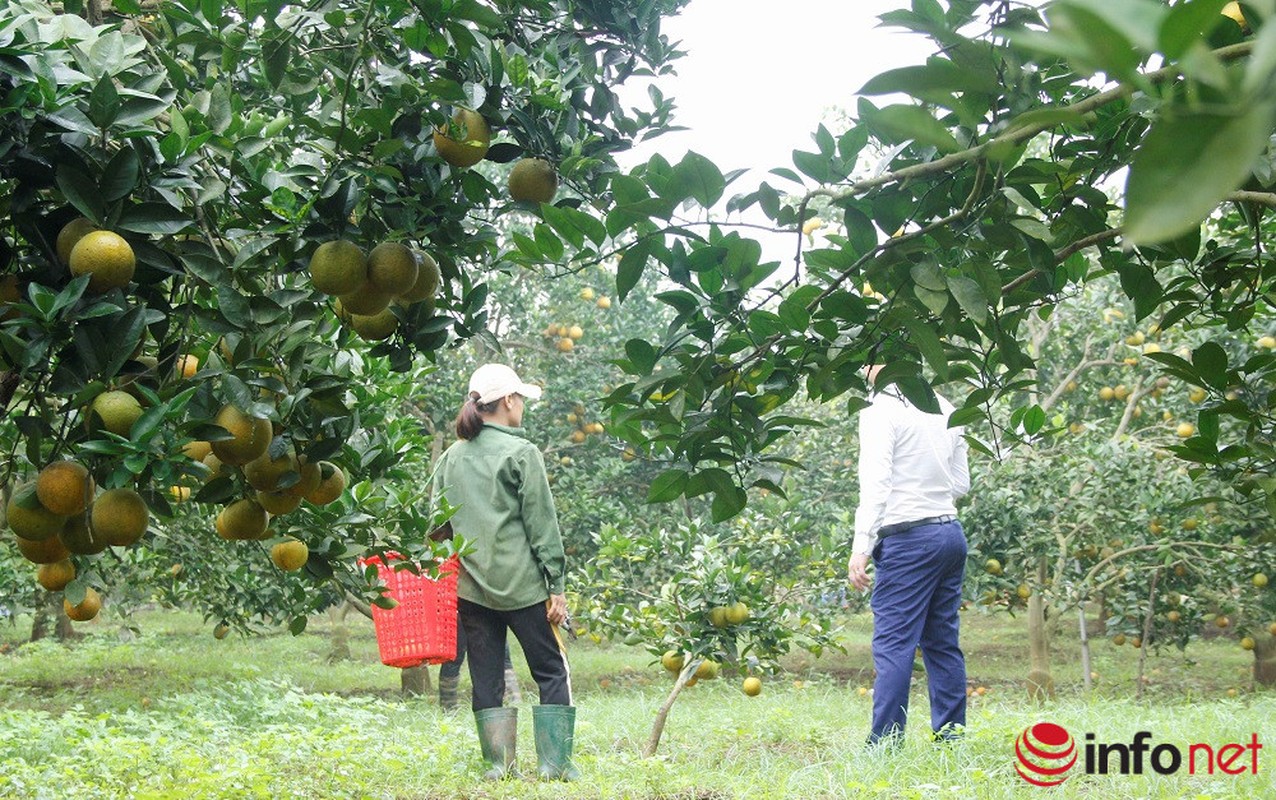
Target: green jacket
{"points": [[505, 508]]}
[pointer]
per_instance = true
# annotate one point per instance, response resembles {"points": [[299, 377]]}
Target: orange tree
{"points": [[1094, 506], [971, 208], [187, 195]]}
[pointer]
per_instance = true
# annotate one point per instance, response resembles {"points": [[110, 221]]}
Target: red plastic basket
{"points": [[421, 629]]}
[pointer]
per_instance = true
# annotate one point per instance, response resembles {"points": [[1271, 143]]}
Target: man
{"points": [[912, 469]]}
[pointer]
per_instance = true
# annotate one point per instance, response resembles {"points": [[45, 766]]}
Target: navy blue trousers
{"points": [[916, 599]]}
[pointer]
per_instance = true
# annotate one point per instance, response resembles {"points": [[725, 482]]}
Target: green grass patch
{"points": [[177, 713]]}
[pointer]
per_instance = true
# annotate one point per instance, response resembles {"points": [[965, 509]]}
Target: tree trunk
{"points": [[662, 716], [40, 622], [340, 634], [1099, 627], [1265, 661], [1040, 681], [415, 681], [64, 631], [1146, 638], [1085, 647]]}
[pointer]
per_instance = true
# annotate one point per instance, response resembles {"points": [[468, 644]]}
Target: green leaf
{"points": [[726, 504], [81, 192], [1210, 361], [153, 218], [104, 103], [901, 122], [219, 111], [1185, 24], [276, 53], [938, 74], [574, 225], [641, 355], [969, 296], [794, 314], [814, 165], [1187, 164], [120, 176], [632, 264], [699, 178], [550, 245], [1034, 419], [667, 486]]}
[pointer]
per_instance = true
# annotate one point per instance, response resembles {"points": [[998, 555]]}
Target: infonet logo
{"points": [[1046, 753]]}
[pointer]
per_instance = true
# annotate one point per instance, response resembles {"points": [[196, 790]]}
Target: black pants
{"points": [[452, 669], [485, 639]]}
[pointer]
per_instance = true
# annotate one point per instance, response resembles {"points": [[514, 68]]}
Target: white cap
{"points": [[494, 381]]}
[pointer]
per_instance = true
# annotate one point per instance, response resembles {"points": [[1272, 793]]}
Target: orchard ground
{"points": [[172, 711]]}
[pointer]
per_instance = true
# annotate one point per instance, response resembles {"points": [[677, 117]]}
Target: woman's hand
{"points": [[556, 609]]}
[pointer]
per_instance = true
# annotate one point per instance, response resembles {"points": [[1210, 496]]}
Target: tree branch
{"points": [[1015, 135]]}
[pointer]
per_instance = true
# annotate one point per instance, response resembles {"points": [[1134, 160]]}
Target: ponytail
{"points": [[469, 422]]}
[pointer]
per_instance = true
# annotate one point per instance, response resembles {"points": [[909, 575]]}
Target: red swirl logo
{"points": [[1045, 751]]}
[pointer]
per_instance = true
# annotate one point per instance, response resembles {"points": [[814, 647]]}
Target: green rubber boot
{"points": [[555, 728], [497, 733]]}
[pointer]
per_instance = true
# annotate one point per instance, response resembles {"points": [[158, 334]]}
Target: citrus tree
{"points": [[952, 220], [220, 219]]}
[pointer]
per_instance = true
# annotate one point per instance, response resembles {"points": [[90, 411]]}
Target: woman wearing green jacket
{"points": [[513, 581]]}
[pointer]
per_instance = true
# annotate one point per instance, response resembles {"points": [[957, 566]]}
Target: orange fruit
{"points": [[252, 436], [54, 577], [106, 258], [65, 487], [331, 484], [44, 552], [242, 520], [338, 267], [86, 609], [29, 519], [290, 555], [428, 279], [473, 138], [533, 180], [392, 269], [120, 516], [70, 235]]}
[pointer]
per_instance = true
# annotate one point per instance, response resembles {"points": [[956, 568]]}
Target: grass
{"points": [[177, 713]]}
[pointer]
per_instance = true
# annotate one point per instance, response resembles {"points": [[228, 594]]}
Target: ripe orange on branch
{"points": [[471, 140], [428, 279], [54, 577], [29, 519], [70, 236], [106, 258], [120, 517], [338, 267], [86, 609], [533, 180], [65, 487], [251, 436], [116, 411], [392, 268], [332, 483], [290, 555]]}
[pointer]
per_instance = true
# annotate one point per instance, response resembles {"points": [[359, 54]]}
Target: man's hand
{"points": [[556, 609], [856, 571]]}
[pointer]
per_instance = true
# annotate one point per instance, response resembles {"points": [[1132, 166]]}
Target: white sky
{"points": [[759, 76]]}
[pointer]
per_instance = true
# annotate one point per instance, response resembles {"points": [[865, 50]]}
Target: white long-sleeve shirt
{"points": [[911, 466]]}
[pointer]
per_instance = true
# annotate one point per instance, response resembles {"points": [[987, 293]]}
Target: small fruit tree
{"points": [[707, 601]]}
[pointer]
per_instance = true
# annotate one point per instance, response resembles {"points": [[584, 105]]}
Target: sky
{"points": [[759, 76]]}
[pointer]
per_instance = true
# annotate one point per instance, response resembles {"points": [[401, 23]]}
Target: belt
{"points": [[900, 527]]}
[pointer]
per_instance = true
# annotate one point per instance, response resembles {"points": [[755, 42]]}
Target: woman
{"points": [[514, 578]]}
